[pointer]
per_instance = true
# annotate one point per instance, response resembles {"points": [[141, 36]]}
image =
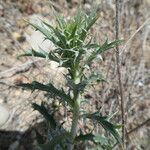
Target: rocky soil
{"points": [[16, 36]]}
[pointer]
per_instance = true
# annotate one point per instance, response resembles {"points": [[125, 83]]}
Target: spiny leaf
{"points": [[47, 33], [84, 137], [61, 21], [90, 80], [34, 53], [48, 88], [42, 30], [91, 137], [92, 21], [53, 57], [92, 18], [58, 34], [86, 82], [49, 117], [108, 126], [40, 139], [79, 17], [101, 49], [73, 30], [91, 45], [82, 36], [89, 22], [58, 139], [95, 77]]}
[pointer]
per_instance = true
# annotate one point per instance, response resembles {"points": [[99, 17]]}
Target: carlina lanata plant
{"points": [[74, 51]]}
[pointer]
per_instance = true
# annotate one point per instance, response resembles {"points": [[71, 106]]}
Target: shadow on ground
{"points": [[15, 140]]}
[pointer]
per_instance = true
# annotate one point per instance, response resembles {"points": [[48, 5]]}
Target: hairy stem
{"points": [[76, 113]]}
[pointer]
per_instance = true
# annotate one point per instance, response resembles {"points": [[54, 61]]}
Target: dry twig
{"points": [[139, 126], [132, 36], [119, 72]]}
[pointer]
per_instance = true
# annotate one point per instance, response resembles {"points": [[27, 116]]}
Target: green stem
{"points": [[76, 113]]}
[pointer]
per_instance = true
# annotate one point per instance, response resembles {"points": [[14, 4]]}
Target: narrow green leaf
{"points": [[108, 126], [42, 30], [53, 57], [48, 88], [61, 21], [73, 30], [49, 117], [91, 45], [58, 139], [84, 137], [92, 21], [40, 139], [79, 17], [83, 35], [58, 34], [90, 80], [89, 22], [34, 53], [91, 137], [47, 33], [101, 49]]}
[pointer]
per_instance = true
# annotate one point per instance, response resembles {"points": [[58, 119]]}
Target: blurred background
{"points": [[16, 36]]}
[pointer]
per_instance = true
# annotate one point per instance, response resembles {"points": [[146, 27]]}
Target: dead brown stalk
{"points": [[117, 26]]}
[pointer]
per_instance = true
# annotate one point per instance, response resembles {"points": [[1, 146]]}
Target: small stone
{"points": [[140, 84], [1, 100], [1, 7], [14, 145], [16, 35], [4, 114], [21, 23], [19, 36], [87, 7]]}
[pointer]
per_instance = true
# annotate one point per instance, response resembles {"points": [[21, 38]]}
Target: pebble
{"points": [[4, 114], [14, 146]]}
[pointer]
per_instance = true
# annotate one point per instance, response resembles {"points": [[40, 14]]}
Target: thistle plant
{"points": [[75, 50]]}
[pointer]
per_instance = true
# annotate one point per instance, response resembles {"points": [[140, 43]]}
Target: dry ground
{"points": [[135, 68]]}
